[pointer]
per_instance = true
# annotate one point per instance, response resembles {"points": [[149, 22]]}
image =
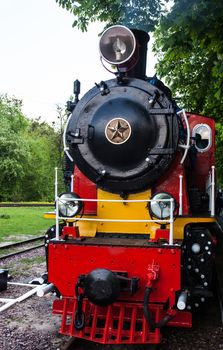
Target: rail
{"points": [[6, 247], [211, 189], [66, 148], [187, 145], [170, 220]]}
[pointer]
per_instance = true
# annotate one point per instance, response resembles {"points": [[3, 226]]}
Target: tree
{"points": [[29, 152], [140, 14], [43, 157], [190, 57], [13, 148], [190, 54]]}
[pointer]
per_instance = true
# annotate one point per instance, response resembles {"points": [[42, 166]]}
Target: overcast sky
{"points": [[41, 55]]}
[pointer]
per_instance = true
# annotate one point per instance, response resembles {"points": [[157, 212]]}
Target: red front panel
{"points": [[170, 182], [85, 189], [204, 160], [68, 261]]}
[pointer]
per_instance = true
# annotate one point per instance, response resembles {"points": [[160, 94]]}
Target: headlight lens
{"points": [[68, 204], [160, 205], [117, 44]]}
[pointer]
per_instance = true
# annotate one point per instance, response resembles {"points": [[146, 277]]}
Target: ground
{"points": [[30, 325]]}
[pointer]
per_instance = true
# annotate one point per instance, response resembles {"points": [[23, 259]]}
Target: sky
{"points": [[41, 55]]}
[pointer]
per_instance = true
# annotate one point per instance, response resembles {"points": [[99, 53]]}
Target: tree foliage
{"points": [[190, 57], [140, 14], [190, 54], [28, 154]]}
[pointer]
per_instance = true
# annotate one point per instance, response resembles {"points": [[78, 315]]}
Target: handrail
{"points": [[210, 189], [66, 149], [213, 190], [187, 145], [116, 200], [170, 220], [180, 195]]}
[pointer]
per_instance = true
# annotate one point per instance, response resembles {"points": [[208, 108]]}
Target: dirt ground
{"points": [[30, 324]]}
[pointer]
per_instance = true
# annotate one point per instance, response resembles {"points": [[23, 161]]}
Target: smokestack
{"points": [[138, 69]]}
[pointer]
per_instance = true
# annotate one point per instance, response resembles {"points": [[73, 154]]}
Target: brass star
{"points": [[117, 130]]}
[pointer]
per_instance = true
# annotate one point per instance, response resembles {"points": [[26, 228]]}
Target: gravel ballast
{"points": [[30, 324]]}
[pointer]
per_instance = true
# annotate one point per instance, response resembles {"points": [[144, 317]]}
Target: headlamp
{"points": [[68, 204], [117, 44], [160, 205]]}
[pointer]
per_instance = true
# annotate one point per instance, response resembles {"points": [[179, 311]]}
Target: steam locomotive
{"points": [[134, 244]]}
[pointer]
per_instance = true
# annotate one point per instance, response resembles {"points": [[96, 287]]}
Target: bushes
{"points": [[29, 153]]}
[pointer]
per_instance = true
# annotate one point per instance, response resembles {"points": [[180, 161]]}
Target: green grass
{"points": [[21, 223], [30, 261]]}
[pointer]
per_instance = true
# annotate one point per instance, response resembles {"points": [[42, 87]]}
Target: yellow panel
{"points": [[49, 215], [180, 224], [123, 211], [87, 228]]}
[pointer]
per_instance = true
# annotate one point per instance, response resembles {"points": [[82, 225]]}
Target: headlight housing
{"points": [[68, 204], [160, 206], [117, 44]]}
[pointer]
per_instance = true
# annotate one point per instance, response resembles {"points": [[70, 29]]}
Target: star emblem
{"points": [[118, 131]]}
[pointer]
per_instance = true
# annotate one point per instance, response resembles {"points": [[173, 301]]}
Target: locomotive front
{"points": [[115, 255]]}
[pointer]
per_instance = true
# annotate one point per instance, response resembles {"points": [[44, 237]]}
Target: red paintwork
{"points": [[197, 177], [119, 323], [170, 183], [149, 264], [162, 234], [85, 189], [72, 231], [82, 259], [204, 160]]}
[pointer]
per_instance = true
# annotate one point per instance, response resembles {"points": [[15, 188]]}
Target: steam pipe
{"points": [[45, 290], [153, 325], [182, 301]]}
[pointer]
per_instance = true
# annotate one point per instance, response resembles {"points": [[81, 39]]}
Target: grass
{"points": [[22, 222]]}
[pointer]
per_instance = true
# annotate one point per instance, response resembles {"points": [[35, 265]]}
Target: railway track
{"points": [[26, 245]]}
